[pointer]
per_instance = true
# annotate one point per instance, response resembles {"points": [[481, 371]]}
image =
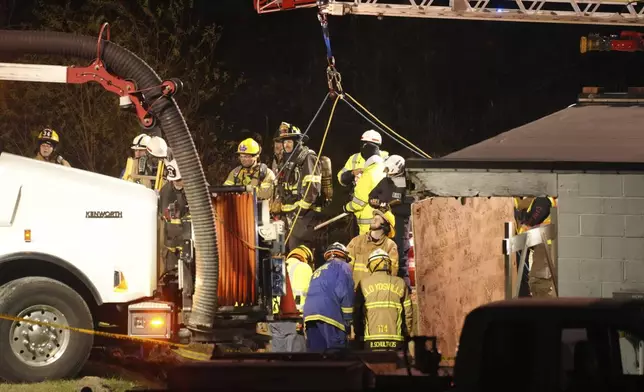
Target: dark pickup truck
{"points": [[561, 345]]}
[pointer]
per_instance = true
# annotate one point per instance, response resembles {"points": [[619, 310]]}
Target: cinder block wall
{"points": [[601, 234]]}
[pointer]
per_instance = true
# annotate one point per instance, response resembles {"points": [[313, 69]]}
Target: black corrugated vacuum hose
{"points": [[127, 65]]}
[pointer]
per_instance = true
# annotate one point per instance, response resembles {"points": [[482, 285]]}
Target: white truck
{"points": [[59, 261], [79, 248]]}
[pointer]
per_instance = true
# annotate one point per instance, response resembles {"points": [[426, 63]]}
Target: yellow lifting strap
{"points": [[158, 184], [129, 166]]}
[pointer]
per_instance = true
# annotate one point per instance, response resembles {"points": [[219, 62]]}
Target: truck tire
{"points": [[32, 353]]}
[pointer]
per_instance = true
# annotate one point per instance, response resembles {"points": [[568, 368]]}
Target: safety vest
{"points": [[359, 204], [356, 161]]}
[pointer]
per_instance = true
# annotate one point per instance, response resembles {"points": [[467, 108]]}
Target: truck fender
{"points": [[46, 258]]}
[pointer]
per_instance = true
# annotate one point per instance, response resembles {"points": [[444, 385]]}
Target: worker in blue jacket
{"points": [[329, 303]]}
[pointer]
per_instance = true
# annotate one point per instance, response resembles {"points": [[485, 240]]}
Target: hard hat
{"points": [[379, 260], [248, 146], [157, 147], [337, 250], [395, 164], [173, 170], [302, 253], [140, 142], [371, 136], [289, 131], [48, 135], [390, 221]]}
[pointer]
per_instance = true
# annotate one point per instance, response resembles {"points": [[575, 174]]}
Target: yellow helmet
{"points": [[379, 260], [290, 131], [48, 135], [248, 146], [390, 219], [302, 253]]}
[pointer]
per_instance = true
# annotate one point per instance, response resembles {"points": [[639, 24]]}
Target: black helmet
{"points": [[290, 131], [337, 250]]}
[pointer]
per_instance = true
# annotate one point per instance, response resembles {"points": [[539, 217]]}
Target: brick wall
{"points": [[601, 234]]}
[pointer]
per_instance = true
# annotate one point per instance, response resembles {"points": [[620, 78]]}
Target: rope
{"points": [[334, 80], [317, 160], [382, 130], [419, 151]]}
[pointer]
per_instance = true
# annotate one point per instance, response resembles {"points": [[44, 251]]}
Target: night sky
{"points": [[444, 84]]}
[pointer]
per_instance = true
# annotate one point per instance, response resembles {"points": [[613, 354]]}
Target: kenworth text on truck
{"points": [[96, 256]]}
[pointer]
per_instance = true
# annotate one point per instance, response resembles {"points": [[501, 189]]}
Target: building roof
{"points": [[577, 137], [579, 134]]}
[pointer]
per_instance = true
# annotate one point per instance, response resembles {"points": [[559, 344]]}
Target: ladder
{"points": [[513, 243], [595, 12]]}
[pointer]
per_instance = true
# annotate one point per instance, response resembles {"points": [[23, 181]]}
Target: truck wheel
{"points": [[33, 353]]}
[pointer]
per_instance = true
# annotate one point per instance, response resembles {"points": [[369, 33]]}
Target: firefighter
{"points": [[371, 142], [139, 145], [328, 309], [251, 172], [531, 212], [139, 150], [287, 336], [391, 193], [373, 173], [382, 230], [382, 303], [174, 210], [298, 195], [278, 152], [48, 141]]}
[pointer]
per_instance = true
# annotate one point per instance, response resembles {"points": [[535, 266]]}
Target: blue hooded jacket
{"points": [[330, 296]]}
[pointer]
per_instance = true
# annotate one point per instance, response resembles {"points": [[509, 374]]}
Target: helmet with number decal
{"points": [[48, 136]]}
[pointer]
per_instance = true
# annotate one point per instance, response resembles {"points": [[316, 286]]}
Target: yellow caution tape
{"points": [[179, 349]]}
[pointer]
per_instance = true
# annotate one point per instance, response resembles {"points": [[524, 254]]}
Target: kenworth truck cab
{"points": [[76, 245]]}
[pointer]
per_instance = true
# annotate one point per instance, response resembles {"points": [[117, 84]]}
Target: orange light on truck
{"points": [[157, 322], [27, 235]]}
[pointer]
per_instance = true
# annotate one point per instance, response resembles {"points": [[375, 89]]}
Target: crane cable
{"points": [[334, 80], [409, 146], [317, 160]]}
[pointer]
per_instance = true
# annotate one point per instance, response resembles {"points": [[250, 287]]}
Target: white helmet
{"points": [[173, 170], [140, 142], [371, 136], [157, 147], [395, 165]]}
